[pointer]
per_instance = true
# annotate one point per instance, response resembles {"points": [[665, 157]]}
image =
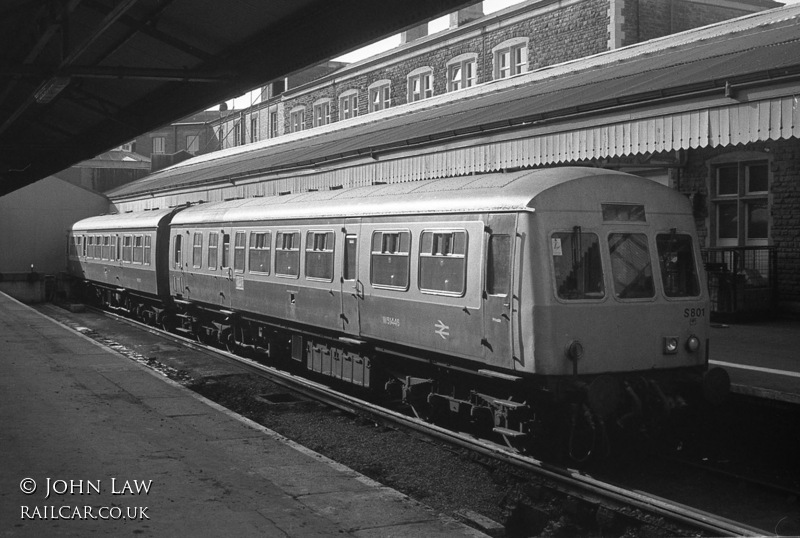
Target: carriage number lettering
{"points": [[694, 312]]}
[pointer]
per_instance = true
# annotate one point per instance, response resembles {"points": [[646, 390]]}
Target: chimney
{"points": [[412, 34], [468, 14]]}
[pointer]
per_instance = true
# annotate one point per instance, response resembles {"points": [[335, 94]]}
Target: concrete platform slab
{"points": [[95, 444]]}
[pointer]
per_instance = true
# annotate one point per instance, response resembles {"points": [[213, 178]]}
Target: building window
{"points": [[510, 58], [420, 84], [379, 95], [273, 124], [740, 205], [193, 143], [159, 144], [461, 73], [253, 128], [322, 113], [297, 120], [348, 105], [237, 134]]}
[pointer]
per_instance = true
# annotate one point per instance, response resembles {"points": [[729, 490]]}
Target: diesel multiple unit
{"points": [[514, 301]]}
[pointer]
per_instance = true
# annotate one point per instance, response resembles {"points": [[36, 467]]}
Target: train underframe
{"points": [[577, 416]]}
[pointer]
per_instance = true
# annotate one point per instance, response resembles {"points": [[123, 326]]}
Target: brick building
{"points": [[475, 49]]}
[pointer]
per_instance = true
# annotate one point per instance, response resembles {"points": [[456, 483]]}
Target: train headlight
{"points": [[693, 344], [670, 345]]}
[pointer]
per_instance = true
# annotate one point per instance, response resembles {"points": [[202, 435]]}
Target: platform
{"points": [[96, 444], [762, 359]]}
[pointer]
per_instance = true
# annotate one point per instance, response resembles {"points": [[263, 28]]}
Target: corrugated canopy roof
{"points": [[757, 48]]}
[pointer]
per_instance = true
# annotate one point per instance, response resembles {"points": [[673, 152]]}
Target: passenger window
{"points": [[350, 257], [106, 252], [498, 265], [630, 266], [90, 246], [287, 254], [127, 248], [226, 251], [213, 241], [114, 253], [578, 269], [238, 252], [390, 259], [197, 250], [178, 256], [260, 252], [138, 249], [443, 262], [678, 269], [147, 249], [319, 255]]}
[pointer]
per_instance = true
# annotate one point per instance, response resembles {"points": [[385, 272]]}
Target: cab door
{"points": [[498, 299], [352, 291]]}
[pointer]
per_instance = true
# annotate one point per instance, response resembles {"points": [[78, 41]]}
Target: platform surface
{"points": [[96, 444], [762, 359]]}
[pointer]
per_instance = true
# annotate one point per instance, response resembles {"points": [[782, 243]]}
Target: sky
{"points": [[436, 25]]}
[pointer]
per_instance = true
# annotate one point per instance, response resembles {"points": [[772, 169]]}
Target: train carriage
{"points": [[512, 301], [119, 257]]}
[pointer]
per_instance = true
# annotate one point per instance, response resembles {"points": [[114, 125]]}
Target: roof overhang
{"points": [[80, 77]]}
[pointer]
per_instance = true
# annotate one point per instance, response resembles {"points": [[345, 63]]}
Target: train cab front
{"points": [[622, 324]]}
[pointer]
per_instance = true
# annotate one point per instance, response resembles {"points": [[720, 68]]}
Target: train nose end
{"points": [[716, 385]]}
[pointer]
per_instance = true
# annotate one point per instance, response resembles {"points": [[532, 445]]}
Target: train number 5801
{"points": [[694, 312]]}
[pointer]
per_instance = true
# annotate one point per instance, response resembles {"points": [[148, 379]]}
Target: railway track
{"points": [[610, 505]]}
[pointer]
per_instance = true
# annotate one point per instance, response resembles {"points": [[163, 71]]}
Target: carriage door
{"points": [[352, 292], [497, 294], [226, 281], [178, 281]]}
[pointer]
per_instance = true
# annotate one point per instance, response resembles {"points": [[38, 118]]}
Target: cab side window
{"points": [[498, 265]]}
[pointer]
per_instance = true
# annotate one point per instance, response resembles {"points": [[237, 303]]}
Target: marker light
{"points": [[670, 345], [693, 344]]}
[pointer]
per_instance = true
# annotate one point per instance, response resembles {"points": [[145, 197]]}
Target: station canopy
{"points": [[79, 77]]}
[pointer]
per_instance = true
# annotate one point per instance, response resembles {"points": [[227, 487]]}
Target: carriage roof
{"points": [[123, 221], [513, 191]]}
